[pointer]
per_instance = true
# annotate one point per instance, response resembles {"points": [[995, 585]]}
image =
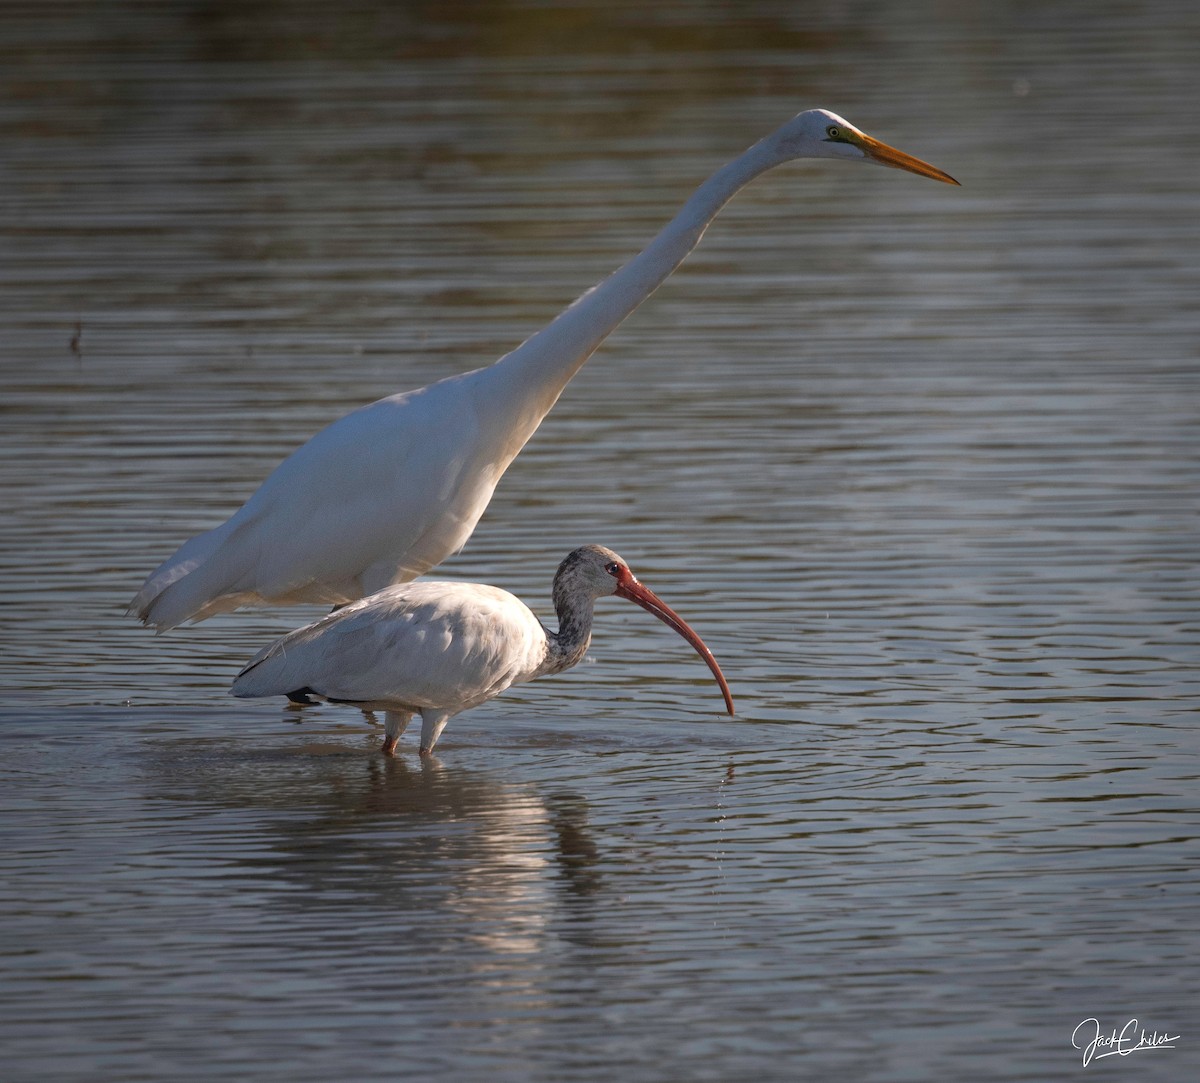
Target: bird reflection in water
{"points": [[392, 839]]}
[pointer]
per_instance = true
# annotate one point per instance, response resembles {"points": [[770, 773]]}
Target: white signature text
{"points": [[1120, 1043]]}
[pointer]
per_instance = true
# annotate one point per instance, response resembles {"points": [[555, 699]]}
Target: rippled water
{"points": [[920, 464]]}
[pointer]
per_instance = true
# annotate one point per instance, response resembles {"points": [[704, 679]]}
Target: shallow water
{"points": [[919, 463]]}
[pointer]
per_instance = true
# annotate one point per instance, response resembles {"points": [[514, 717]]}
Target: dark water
{"points": [[920, 463]]}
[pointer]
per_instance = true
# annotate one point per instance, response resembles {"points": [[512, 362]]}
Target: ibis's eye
{"points": [[613, 569], [833, 131]]}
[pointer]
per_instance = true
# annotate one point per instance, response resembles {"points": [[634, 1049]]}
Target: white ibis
{"points": [[392, 489], [440, 648]]}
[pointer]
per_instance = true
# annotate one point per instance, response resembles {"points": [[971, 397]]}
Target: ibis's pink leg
{"points": [[432, 724], [396, 723]]}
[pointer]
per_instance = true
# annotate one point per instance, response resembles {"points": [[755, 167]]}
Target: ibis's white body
{"points": [[427, 646], [394, 488]]}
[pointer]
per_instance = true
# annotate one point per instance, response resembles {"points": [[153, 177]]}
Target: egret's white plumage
{"points": [[438, 648], [392, 489]]}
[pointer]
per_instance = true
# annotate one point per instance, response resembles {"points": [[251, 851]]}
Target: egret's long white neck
{"points": [[543, 365]]}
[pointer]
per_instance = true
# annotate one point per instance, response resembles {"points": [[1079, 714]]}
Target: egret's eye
{"points": [[833, 131], [613, 569]]}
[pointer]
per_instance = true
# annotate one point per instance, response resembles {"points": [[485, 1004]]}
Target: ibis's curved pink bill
{"points": [[630, 588]]}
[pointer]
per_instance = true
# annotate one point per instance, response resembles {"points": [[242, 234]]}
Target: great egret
{"points": [[441, 648], [392, 489]]}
